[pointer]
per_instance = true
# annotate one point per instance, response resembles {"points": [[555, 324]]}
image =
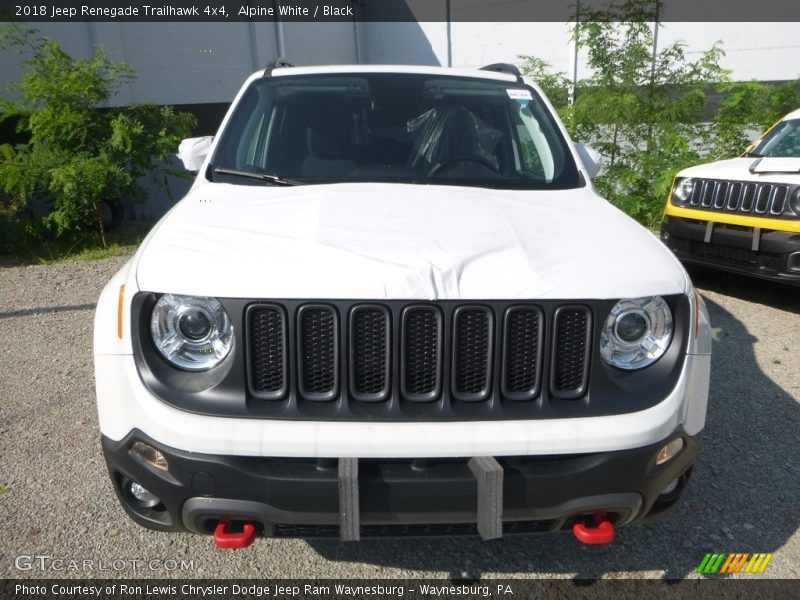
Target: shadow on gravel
{"points": [[761, 291], [46, 310], [742, 497]]}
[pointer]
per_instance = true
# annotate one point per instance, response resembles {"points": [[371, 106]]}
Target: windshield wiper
{"points": [[753, 155], [269, 178]]}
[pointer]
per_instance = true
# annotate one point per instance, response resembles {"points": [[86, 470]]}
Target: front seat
{"points": [[330, 153]]}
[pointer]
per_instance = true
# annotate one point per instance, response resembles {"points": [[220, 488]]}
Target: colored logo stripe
{"points": [[734, 562], [758, 563], [711, 563]]}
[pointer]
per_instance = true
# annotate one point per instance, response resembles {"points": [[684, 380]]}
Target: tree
{"points": [[79, 153], [746, 107], [555, 85], [649, 114]]}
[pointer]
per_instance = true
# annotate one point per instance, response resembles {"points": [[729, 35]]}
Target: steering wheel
{"points": [[476, 158]]}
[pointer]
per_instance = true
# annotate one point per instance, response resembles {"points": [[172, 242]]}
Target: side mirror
{"points": [[591, 159], [193, 152]]}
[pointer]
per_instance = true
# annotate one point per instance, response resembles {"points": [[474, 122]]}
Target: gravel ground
{"points": [[58, 500]]}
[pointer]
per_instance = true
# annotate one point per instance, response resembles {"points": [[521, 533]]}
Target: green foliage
{"points": [[79, 153], [649, 116], [555, 85], [747, 107], [35, 247]]}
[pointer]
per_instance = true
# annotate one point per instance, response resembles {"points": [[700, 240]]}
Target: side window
{"points": [[250, 152], [242, 145], [255, 149], [233, 152], [535, 156]]}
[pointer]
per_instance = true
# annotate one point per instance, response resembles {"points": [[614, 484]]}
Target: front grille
{"points": [[421, 353], [742, 257], [726, 254], [388, 361], [440, 352], [522, 339], [369, 358], [472, 353], [318, 355], [746, 197], [570, 352], [268, 351]]}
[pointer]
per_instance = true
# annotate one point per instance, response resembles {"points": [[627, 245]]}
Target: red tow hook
{"points": [[224, 538], [602, 532]]}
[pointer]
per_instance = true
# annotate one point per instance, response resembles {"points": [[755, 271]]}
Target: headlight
{"points": [[191, 333], [636, 333], [683, 190]]}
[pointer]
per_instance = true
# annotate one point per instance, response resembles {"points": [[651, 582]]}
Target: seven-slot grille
{"points": [[748, 197], [421, 351]]}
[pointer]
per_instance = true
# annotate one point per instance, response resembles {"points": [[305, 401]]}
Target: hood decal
{"points": [[773, 164], [746, 169]]}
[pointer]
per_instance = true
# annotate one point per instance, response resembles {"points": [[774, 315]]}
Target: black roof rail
{"points": [[278, 63], [504, 68]]}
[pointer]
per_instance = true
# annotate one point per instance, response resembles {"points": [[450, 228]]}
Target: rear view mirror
{"points": [[591, 159], [193, 152]]}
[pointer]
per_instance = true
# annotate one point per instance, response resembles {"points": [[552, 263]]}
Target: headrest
{"points": [[329, 139]]}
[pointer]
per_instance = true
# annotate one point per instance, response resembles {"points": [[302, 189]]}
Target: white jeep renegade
{"points": [[393, 304]]}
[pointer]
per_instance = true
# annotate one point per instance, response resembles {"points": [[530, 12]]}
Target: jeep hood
{"points": [[782, 170], [402, 241]]}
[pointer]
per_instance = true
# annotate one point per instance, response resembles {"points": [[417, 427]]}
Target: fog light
{"points": [[150, 455], [143, 496], [670, 488], [669, 451]]}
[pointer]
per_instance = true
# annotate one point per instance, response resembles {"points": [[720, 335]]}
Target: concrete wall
{"points": [[192, 63], [403, 43], [762, 51], [195, 63]]}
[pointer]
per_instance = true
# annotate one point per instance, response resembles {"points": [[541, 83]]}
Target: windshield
{"points": [[393, 128], [781, 140]]}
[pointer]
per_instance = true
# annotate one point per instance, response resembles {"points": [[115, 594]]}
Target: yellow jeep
{"points": [[742, 214]]}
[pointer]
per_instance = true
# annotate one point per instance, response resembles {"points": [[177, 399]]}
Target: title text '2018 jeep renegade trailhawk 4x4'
{"points": [[392, 304]]}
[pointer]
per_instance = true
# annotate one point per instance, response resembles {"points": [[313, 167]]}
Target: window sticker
{"points": [[519, 94]]}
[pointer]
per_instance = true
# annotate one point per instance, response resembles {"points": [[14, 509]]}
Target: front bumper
{"points": [[768, 254], [287, 497]]}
